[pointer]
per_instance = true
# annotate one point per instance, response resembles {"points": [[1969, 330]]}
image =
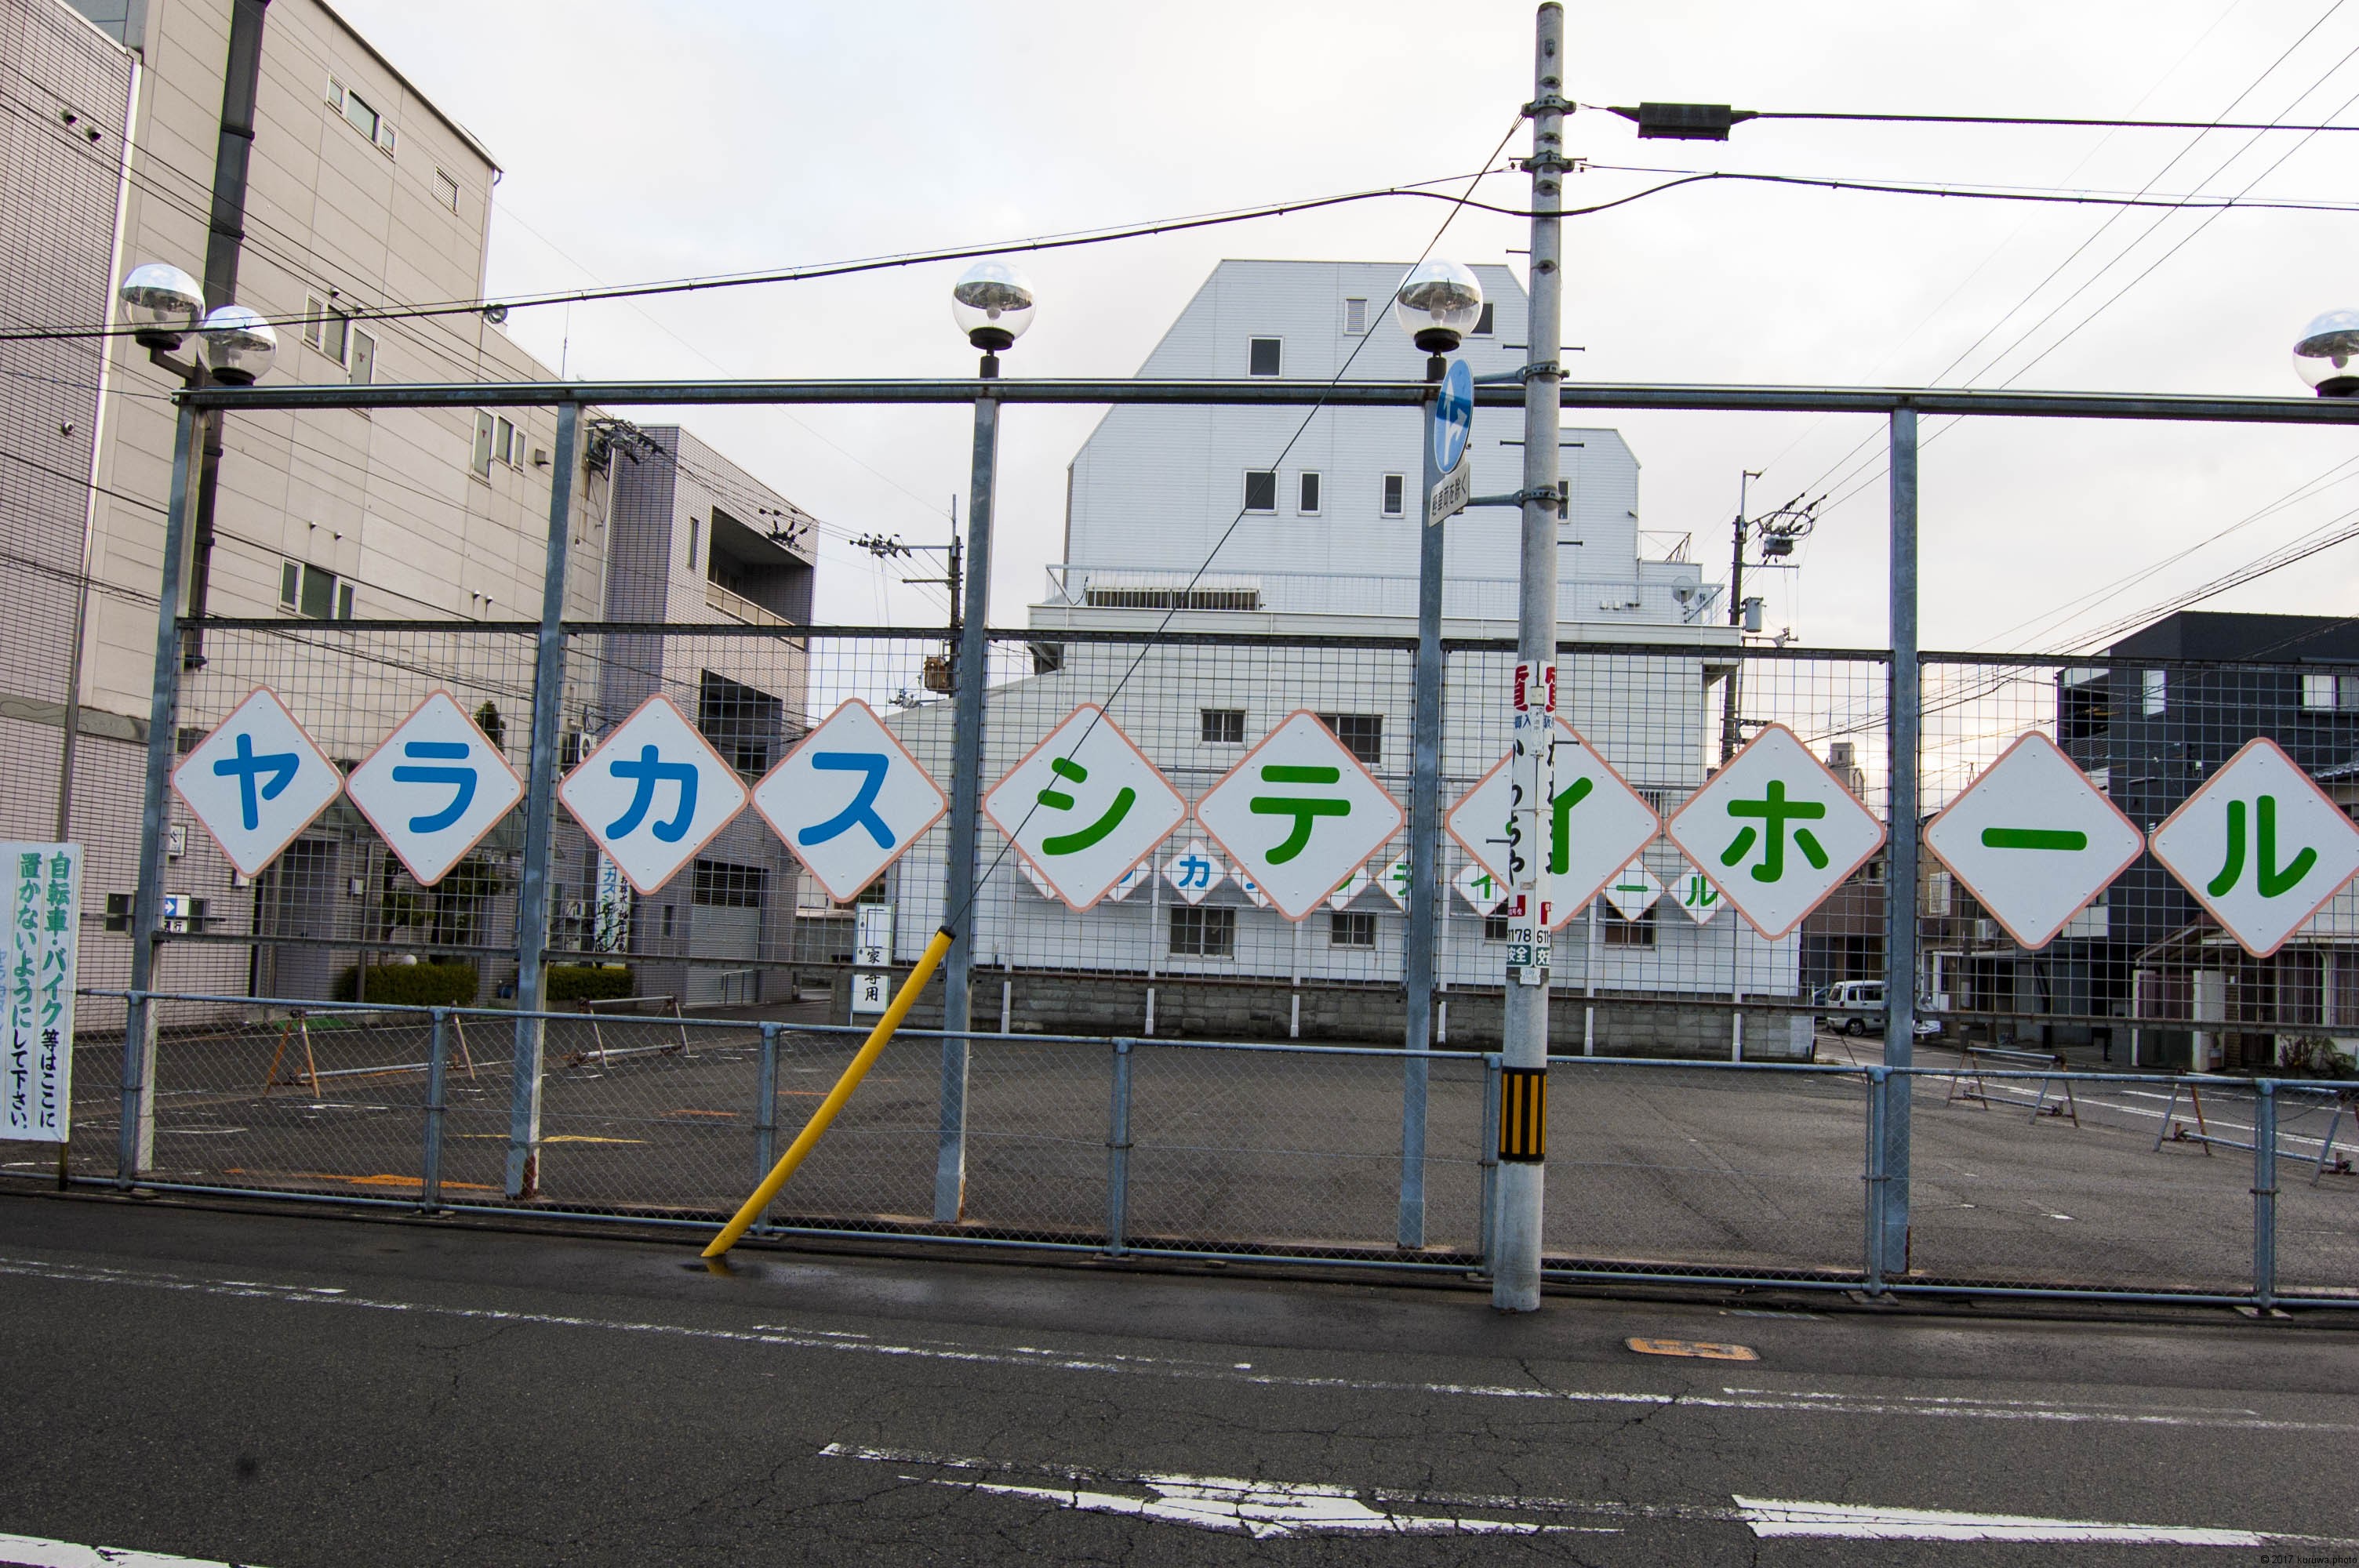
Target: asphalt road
{"points": [[290, 1390]]}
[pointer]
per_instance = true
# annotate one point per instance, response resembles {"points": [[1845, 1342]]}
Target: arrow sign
{"points": [[653, 794], [2260, 847], [1774, 831], [848, 800], [256, 782], [1597, 825], [1084, 806], [1451, 420], [2033, 840], [434, 788], [1300, 813]]}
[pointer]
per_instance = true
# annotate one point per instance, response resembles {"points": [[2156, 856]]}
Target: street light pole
{"points": [[1516, 1277]]}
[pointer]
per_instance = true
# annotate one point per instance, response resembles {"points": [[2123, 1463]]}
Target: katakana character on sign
{"points": [[1304, 809], [246, 767], [1774, 811], [462, 779], [648, 771], [2273, 880], [1194, 870], [872, 767], [1081, 838], [1560, 831]]}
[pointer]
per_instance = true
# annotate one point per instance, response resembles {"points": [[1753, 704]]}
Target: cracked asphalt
{"points": [[296, 1390]]}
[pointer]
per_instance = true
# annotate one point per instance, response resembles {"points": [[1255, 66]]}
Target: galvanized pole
{"points": [[2265, 1194], [966, 798], [1516, 1279], [429, 1175], [1903, 697], [1424, 846], [539, 819], [136, 1149], [1118, 1154]]}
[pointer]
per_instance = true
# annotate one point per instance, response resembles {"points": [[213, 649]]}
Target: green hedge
{"points": [[587, 982], [440, 984]]}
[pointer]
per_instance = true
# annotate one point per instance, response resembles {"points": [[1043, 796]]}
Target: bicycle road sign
{"points": [[1300, 813], [256, 782], [654, 793], [1084, 805], [1774, 831], [848, 800], [434, 788], [2033, 839], [2260, 847], [1597, 825]]}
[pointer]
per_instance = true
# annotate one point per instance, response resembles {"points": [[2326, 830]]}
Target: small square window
{"points": [[318, 600], [314, 308], [1363, 734], [290, 584], [504, 442], [1483, 328], [481, 462], [1355, 317], [1351, 928], [1200, 931], [1266, 357], [446, 191], [1261, 489], [2154, 689], [1396, 495], [1223, 726], [336, 331], [1307, 502], [343, 601], [1617, 932], [1495, 926]]}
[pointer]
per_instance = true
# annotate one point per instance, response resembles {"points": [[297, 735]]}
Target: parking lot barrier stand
{"points": [[878, 1038]]}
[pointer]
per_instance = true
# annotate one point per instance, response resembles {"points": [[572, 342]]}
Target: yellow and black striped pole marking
{"points": [[1522, 1114]]}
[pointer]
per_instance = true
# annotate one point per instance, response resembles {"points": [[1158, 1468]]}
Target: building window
{"points": [[1363, 734], [507, 445], [1307, 502], [1223, 726], [2329, 693], [720, 884], [742, 721], [695, 527], [118, 912], [446, 191], [1355, 317], [1261, 489], [1351, 928], [327, 329], [482, 461], [364, 358], [360, 116], [1482, 327], [1202, 932], [1265, 357], [1396, 495], [313, 593], [313, 309], [1617, 932], [667, 920], [1495, 926], [2085, 707], [2154, 689]]}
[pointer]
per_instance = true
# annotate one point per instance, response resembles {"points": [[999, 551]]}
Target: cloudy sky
{"points": [[645, 141]]}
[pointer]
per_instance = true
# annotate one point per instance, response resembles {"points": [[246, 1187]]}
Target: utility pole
{"points": [[886, 549], [1515, 1269], [1730, 739]]}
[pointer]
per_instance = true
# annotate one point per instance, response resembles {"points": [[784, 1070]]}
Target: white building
{"points": [[1189, 525]]}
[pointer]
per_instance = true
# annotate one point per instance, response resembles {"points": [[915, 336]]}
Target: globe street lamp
{"points": [[164, 304], [1437, 304], [239, 345], [2327, 355], [992, 303]]}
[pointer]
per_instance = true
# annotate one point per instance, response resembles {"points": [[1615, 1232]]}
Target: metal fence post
{"points": [[1489, 1220], [2265, 1194], [1872, 1175], [136, 1147], [1424, 855], [766, 1112], [1118, 1154], [959, 891], [539, 824], [1903, 690], [429, 1182]]}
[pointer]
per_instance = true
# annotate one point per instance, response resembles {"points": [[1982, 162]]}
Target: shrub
{"points": [[448, 983], [586, 982]]}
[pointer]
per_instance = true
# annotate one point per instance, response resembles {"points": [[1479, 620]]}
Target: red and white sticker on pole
{"points": [[1531, 782]]}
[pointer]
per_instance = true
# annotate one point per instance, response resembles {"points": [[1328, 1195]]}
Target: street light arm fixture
{"points": [[1682, 121]]}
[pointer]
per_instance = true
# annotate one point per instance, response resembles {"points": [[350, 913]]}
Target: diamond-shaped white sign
{"points": [[1482, 891], [1634, 892], [1130, 881], [2260, 847], [1598, 824], [2033, 839], [434, 788], [1251, 888], [1352, 887], [1776, 831], [1300, 813], [1195, 872], [1084, 805], [1696, 898], [1394, 879], [653, 794], [848, 800], [256, 782]]}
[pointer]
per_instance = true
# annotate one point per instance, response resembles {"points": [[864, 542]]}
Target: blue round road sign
{"points": [[1454, 416]]}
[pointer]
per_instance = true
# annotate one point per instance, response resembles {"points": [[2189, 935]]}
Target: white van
{"points": [[1856, 1007]]}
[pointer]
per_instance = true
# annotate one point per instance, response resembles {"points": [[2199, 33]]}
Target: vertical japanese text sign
{"points": [[44, 915]]}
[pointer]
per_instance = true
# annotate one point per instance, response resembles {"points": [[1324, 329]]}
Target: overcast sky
{"points": [[644, 141]]}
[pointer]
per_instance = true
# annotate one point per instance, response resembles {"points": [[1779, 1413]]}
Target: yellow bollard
{"points": [[878, 1038]]}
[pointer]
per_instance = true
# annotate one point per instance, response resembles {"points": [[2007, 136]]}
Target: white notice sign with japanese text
{"points": [[44, 915]]}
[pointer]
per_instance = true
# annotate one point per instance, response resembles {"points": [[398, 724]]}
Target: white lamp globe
{"points": [[2327, 355], [163, 303], [992, 303], [1437, 304], [239, 345]]}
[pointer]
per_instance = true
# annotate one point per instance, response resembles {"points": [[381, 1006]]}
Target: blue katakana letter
{"points": [[246, 767], [648, 770], [861, 812], [461, 779]]}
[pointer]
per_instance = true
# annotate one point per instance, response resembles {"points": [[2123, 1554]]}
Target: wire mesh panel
{"points": [[2318, 1195], [643, 1115], [1039, 1119]]}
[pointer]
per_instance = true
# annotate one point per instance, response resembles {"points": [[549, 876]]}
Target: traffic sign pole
{"points": [[1424, 851], [1890, 1248], [966, 802], [1515, 1271]]}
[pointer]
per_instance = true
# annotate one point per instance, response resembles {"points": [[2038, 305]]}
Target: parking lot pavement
{"points": [[294, 1390]]}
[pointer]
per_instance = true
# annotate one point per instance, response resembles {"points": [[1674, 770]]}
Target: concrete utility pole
{"points": [[1523, 1124], [1729, 737]]}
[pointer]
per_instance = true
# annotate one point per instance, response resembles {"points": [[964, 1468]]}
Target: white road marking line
{"points": [[32, 1552], [1847, 1521], [1815, 1403]]}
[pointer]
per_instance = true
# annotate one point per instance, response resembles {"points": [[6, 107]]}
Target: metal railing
{"points": [[1746, 1174]]}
